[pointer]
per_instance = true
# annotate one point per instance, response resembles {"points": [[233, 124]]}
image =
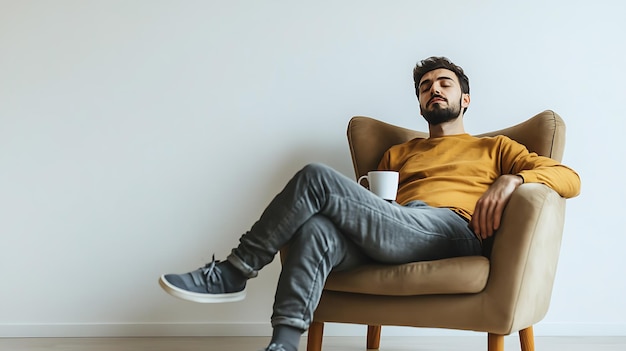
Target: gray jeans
{"points": [[331, 222]]}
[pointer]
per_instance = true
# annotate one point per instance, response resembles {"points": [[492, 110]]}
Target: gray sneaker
{"points": [[274, 347], [203, 285]]}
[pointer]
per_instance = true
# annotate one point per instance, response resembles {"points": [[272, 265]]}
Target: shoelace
{"points": [[211, 273]]}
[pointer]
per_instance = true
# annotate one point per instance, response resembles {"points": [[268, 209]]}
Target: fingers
{"points": [[486, 218], [497, 216], [478, 222]]}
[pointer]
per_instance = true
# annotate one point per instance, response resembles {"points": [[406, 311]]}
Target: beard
{"points": [[440, 115]]}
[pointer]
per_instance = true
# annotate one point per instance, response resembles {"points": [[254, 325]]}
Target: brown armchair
{"points": [[506, 293]]}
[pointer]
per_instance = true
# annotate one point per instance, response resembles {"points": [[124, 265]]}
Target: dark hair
{"points": [[433, 63]]}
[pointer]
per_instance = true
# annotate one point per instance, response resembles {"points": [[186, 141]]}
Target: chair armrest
{"points": [[525, 255]]}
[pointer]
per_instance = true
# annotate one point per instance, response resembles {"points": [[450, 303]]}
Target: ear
{"points": [[465, 100]]}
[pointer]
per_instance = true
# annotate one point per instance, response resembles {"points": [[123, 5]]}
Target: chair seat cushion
{"points": [[459, 275]]}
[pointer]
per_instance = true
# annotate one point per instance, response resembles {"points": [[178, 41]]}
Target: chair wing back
{"points": [[369, 138]]}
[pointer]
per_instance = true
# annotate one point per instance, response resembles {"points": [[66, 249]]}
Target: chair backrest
{"points": [[369, 138]]}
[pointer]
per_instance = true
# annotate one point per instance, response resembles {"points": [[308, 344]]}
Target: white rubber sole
{"points": [[199, 297]]}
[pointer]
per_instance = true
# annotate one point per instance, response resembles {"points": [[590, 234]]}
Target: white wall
{"points": [[139, 137]]}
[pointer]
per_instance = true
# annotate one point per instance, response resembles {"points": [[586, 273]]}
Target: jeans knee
{"points": [[315, 169]]}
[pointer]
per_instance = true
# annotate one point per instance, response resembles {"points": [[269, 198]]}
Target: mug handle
{"points": [[361, 178]]}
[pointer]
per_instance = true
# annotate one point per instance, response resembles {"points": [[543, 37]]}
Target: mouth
{"points": [[436, 99]]}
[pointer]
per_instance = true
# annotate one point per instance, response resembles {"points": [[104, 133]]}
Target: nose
{"points": [[435, 89]]}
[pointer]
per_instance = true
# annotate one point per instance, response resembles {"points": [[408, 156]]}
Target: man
{"points": [[452, 190]]}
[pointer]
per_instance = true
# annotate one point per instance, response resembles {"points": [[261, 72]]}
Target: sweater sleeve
{"points": [[385, 162], [516, 159]]}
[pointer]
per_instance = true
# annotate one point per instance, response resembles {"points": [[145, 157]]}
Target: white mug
{"points": [[382, 183]]}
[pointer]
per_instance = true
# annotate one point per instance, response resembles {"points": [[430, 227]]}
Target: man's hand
{"points": [[489, 208]]}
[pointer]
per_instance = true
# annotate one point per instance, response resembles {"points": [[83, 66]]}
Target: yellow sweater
{"points": [[454, 171]]}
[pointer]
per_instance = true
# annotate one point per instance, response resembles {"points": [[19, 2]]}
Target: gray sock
{"points": [[287, 336]]}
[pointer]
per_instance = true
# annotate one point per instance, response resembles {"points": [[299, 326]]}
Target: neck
{"points": [[452, 127]]}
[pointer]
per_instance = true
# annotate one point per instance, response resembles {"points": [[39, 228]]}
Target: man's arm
{"points": [[519, 166], [516, 159]]}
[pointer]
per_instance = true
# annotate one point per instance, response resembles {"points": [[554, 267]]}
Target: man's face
{"points": [[440, 96]]}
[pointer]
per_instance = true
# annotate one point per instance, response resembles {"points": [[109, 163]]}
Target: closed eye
{"points": [[425, 85]]}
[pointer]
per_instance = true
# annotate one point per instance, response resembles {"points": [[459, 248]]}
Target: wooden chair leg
{"points": [[495, 342], [373, 337], [316, 334], [527, 339]]}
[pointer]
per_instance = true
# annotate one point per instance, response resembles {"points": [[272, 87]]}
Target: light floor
{"points": [[431, 343]]}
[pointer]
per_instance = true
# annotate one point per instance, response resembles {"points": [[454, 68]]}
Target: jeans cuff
{"points": [[292, 322], [241, 265]]}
